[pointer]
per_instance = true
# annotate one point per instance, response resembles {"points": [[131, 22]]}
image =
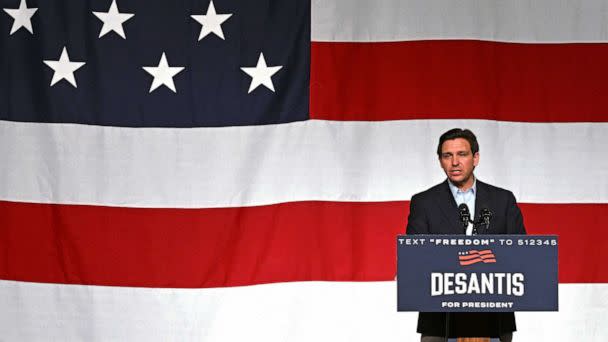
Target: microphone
{"points": [[465, 215], [485, 217]]}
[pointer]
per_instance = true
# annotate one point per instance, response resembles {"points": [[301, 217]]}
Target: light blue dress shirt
{"points": [[467, 197]]}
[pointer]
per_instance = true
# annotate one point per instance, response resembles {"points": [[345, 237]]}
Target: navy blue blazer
{"points": [[434, 211]]}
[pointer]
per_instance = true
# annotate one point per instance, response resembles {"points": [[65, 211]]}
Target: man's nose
{"points": [[455, 161]]}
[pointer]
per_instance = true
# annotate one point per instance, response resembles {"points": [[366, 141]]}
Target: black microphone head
{"points": [[485, 215], [465, 215], [463, 208], [485, 212]]}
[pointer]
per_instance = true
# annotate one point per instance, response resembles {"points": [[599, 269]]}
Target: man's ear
{"points": [[476, 159]]}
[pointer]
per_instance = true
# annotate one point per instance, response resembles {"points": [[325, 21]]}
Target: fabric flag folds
{"points": [[238, 170]]}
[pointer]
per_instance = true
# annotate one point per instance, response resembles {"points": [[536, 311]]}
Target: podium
{"points": [[476, 274]]}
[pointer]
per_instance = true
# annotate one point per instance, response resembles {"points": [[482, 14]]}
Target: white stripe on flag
{"points": [[307, 311], [538, 21], [313, 160]]}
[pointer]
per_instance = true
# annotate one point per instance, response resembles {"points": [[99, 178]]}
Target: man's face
{"points": [[458, 161]]}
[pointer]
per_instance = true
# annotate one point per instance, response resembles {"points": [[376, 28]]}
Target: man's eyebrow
{"points": [[450, 153]]}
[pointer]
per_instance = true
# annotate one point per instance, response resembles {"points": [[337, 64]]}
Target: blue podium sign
{"points": [[481, 273]]}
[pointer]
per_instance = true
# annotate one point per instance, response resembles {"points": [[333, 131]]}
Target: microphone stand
{"points": [[465, 219], [447, 326]]}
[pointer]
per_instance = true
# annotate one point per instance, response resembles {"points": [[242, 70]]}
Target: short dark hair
{"points": [[455, 133]]}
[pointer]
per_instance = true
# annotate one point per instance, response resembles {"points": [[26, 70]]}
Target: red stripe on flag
{"points": [[487, 256], [241, 246], [581, 229], [200, 247], [469, 262], [459, 80], [476, 260], [485, 251], [468, 257]]}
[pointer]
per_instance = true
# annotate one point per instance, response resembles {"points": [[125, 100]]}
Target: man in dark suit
{"points": [[435, 211]]}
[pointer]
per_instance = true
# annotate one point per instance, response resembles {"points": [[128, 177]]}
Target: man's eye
{"points": [[462, 154]]}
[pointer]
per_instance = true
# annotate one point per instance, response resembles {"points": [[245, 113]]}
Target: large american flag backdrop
{"points": [[238, 170]]}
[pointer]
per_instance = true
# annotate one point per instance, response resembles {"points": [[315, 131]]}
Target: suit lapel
{"points": [[447, 204], [482, 199]]}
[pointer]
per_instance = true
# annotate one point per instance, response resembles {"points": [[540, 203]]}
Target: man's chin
{"points": [[458, 181]]}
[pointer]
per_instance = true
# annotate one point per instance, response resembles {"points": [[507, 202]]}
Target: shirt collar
{"points": [[454, 189]]}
